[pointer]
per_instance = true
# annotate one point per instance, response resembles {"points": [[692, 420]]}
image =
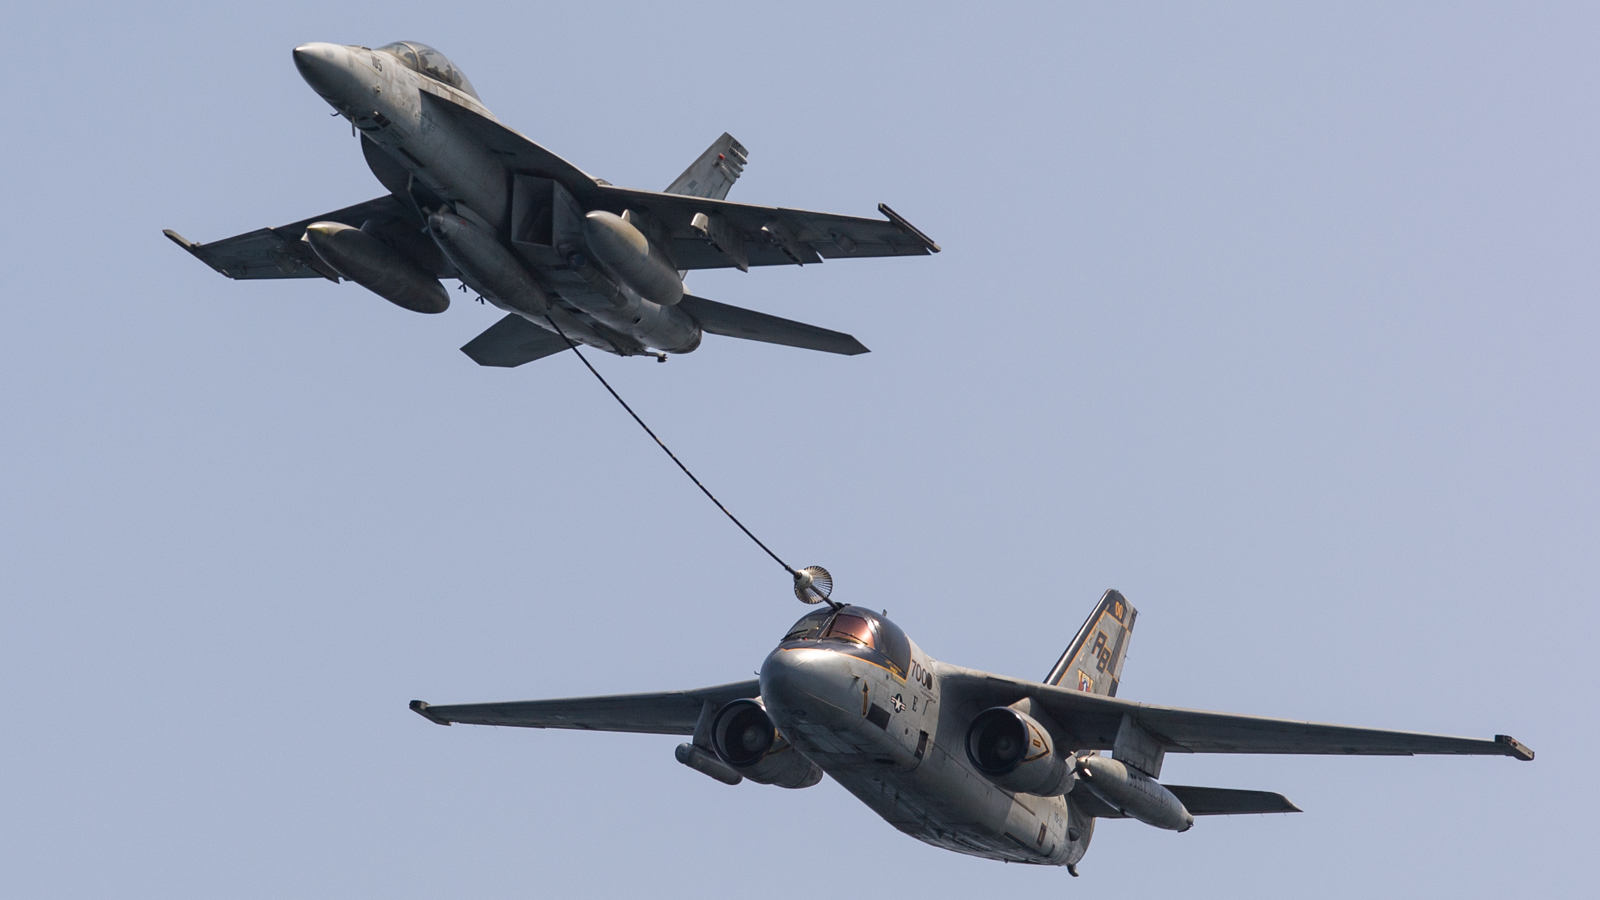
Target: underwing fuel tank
{"points": [[377, 267], [628, 253], [487, 265], [1133, 792]]}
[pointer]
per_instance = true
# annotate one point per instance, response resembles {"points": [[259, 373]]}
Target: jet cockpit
{"points": [[855, 631], [427, 61]]}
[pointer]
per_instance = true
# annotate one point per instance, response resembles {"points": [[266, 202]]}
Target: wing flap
{"points": [[667, 712], [1093, 722], [734, 321], [511, 342]]}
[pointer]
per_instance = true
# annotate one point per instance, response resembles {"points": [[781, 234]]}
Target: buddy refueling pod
{"points": [[1133, 792], [631, 257], [745, 738], [487, 266], [377, 267], [1014, 751]]}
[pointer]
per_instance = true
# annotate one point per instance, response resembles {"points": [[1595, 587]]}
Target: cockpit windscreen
{"points": [[809, 625], [430, 62], [859, 628], [846, 627]]}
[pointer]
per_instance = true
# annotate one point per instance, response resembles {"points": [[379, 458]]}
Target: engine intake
{"points": [[1014, 751], [745, 738]]}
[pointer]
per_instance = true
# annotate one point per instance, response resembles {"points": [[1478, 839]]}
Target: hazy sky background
{"points": [[1281, 319]]}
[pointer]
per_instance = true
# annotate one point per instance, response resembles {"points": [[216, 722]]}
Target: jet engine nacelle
{"points": [[377, 267], [1135, 793], [630, 255], [1014, 751], [745, 738]]}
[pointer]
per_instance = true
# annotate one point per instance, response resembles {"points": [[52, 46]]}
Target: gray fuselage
{"points": [[891, 741], [434, 165]]}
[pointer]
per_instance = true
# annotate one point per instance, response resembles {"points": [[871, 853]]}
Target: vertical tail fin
{"points": [[714, 172], [1093, 661]]}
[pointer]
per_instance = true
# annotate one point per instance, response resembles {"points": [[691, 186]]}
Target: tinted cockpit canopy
{"points": [[858, 628], [430, 62]]}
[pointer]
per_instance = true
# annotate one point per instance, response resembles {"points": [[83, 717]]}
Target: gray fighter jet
{"points": [[982, 764], [560, 251]]}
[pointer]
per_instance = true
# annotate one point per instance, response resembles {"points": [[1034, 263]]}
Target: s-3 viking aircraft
{"points": [[982, 764], [470, 199]]}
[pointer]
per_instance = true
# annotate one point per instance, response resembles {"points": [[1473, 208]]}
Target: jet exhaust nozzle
{"points": [[1012, 749], [632, 257], [1133, 792], [377, 267], [487, 265], [747, 741]]}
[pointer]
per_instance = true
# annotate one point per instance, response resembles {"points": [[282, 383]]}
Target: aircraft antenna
{"points": [[812, 584]]}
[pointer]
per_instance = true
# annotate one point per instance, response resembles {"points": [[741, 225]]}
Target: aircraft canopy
{"points": [[430, 62], [858, 626]]}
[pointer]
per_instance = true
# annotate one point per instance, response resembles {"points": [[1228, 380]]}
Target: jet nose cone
{"points": [[809, 684], [322, 66]]}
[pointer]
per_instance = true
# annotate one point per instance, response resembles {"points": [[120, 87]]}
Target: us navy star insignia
{"points": [[898, 704]]}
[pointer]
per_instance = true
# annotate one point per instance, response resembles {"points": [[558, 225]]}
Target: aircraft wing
{"points": [[279, 252], [742, 234], [669, 712], [1093, 721], [736, 234]]}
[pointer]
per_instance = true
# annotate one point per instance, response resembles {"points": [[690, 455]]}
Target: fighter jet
{"points": [[561, 252], [982, 764]]}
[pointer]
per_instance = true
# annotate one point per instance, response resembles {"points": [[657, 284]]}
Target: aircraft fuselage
{"points": [[892, 742], [428, 161]]}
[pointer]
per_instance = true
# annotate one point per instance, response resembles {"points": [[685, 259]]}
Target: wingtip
{"points": [[1514, 747], [900, 220], [194, 250], [421, 709]]}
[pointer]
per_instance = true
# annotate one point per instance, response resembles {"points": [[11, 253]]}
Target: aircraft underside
{"points": [[981, 821]]}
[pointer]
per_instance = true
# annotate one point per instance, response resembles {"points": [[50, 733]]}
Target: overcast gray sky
{"points": [[1281, 319]]}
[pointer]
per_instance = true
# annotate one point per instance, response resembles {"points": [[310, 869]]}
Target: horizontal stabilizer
{"points": [[733, 321], [511, 342], [1209, 801]]}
